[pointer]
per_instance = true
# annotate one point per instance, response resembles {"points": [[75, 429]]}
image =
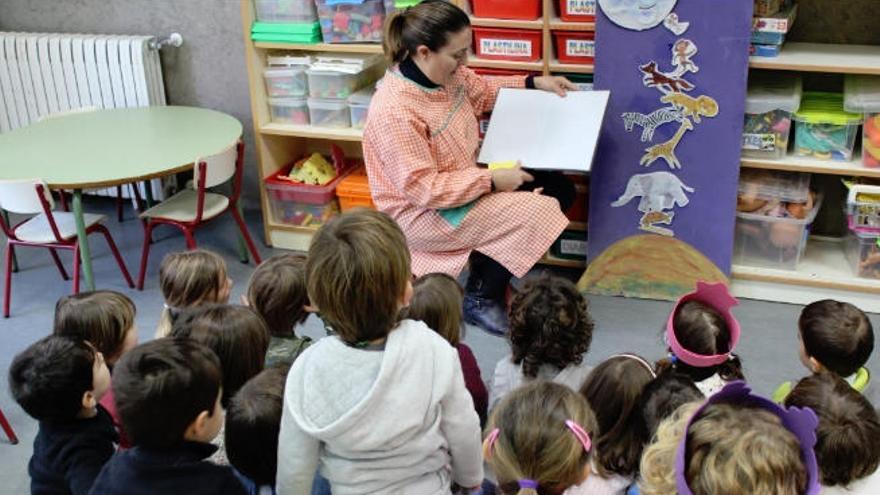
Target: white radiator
{"points": [[47, 73]]}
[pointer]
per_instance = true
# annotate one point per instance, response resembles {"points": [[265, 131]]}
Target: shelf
{"points": [[323, 47], [291, 228], [578, 226], [555, 66], [505, 64], [307, 131], [507, 23], [821, 57], [551, 260], [557, 24], [794, 163]]}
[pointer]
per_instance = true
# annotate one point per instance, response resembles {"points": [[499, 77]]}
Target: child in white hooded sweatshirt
{"points": [[381, 405]]}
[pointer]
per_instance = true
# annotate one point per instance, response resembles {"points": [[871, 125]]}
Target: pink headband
{"points": [[717, 297], [576, 429]]}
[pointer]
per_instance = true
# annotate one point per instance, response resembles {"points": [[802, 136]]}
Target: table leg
{"points": [[242, 246], [148, 193], [85, 252], [14, 257]]}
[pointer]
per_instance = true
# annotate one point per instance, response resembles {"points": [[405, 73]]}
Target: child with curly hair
{"points": [[550, 332]]}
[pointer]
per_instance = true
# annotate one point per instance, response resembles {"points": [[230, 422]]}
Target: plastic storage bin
{"points": [[358, 104], [824, 130], [774, 185], [507, 9], [351, 21], [863, 253], [863, 208], [329, 113], [289, 110], [770, 104], [284, 82], [286, 11], [862, 95], [571, 245], [771, 242], [339, 84], [577, 10], [575, 48], [354, 191], [522, 45]]}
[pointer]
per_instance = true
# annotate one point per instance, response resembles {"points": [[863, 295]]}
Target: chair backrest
{"points": [[72, 111], [20, 196], [219, 167]]}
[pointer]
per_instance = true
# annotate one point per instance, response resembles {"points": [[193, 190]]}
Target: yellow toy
{"points": [[314, 170]]}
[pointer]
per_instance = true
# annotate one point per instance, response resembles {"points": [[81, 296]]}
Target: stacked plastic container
{"points": [[863, 217], [862, 95], [333, 80], [287, 87], [824, 129], [520, 45], [770, 104], [286, 21], [358, 105], [351, 21]]}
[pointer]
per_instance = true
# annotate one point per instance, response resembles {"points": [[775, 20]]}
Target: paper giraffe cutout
{"points": [[659, 191], [651, 121], [666, 150]]}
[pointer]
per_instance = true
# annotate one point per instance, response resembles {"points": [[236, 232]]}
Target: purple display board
{"points": [[664, 181]]}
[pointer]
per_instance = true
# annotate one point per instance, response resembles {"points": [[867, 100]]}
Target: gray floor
{"points": [[768, 349]]}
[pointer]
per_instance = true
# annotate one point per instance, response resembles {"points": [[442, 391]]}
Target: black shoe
{"points": [[488, 314]]}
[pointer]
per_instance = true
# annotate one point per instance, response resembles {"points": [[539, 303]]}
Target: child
{"points": [[59, 382], [189, 279], [702, 334], [550, 332], [239, 338], [663, 395], [837, 337], [614, 390], [848, 434], [168, 393], [252, 423], [277, 292], [735, 443], [539, 440], [437, 301], [105, 319], [381, 404]]}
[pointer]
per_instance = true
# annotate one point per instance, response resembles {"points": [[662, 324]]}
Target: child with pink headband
{"points": [[702, 334]]}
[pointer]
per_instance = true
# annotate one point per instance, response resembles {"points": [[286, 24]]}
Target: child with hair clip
{"points": [[189, 279], [277, 292], [239, 338], [848, 434], [539, 440], [105, 319], [614, 390], [836, 337], [734, 443], [702, 334], [437, 301], [550, 332]]}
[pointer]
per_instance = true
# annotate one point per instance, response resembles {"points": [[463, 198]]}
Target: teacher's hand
{"points": [[510, 179], [554, 84]]}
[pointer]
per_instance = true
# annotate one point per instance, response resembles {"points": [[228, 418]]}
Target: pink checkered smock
{"points": [[420, 146]]}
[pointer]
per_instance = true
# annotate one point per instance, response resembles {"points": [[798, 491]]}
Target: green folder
{"points": [[286, 32]]}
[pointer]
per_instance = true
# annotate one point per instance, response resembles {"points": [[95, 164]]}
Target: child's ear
{"points": [[196, 431], [815, 365], [88, 400], [407, 295]]}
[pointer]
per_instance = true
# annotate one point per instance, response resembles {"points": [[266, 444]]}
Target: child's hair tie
{"points": [[527, 483], [576, 429], [801, 422], [718, 298]]}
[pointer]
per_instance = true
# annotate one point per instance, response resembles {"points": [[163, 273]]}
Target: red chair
{"points": [[8, 429], [190, 209], [47, 229]]}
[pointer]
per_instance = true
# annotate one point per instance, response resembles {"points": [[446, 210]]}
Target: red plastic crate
{"points": [[484, 71], [577, 10], [574, 47], [507, 9], [519, 45], [285, 190]]}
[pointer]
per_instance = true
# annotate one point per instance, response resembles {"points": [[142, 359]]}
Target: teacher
{"points": [[420, 146]]}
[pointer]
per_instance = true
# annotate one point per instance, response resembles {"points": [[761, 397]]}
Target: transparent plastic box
{"points": [[789, 187], [823, 129], [863, 254], [289, 110], [861, 94], [282, 82], [863, 208], [339, 85], [306, 204], [358, 105], [286, 11], [770, 104], [771, 242], [329, 113], [351, 21]]}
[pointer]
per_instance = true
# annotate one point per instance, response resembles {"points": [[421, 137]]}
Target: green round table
{"points": [[112, 147]]}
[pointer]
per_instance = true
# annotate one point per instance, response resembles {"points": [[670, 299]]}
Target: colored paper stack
{"points": [[769, 27], [286, 32], [286, 21]]}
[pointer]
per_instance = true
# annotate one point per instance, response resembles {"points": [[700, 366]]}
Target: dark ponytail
{"points": [[429, 23]]}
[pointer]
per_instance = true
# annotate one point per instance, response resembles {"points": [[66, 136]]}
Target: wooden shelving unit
{"points": [[823, 271]]}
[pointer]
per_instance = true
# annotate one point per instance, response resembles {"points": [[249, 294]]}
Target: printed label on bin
{"points": [[761, 142], [506, 48], [573, 247], [581, 7], [580, 48]]}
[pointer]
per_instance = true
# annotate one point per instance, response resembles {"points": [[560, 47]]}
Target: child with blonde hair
{"points": [[437, 301], [735, 443], [189, 279], [379, 406], [539, 440], [550, 332]]}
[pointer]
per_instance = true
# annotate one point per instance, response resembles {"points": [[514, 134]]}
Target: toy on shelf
{"points": [[769, 30], [314, 170], [862, 95], [824, 130], [351, 21], [769, 107]]}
